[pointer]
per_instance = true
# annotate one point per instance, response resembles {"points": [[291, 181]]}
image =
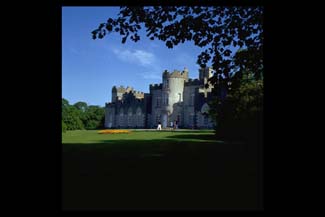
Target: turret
{"points": [[114, 94], [185, 73], [172, 88]]}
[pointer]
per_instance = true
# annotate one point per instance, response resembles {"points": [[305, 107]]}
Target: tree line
{"points": [[81, 116]]}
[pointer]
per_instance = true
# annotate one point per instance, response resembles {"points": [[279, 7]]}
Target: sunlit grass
{"points": [[93, 136]]}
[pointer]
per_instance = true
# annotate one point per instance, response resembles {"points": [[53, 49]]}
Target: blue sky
{"points": [[90, 68]]}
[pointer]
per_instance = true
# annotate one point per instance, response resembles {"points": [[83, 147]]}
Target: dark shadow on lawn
{"points": [[192, 131], [160, 174], [207, 137]]}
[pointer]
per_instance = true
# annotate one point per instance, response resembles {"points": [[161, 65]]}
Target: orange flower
{"points": [[113, 131]]}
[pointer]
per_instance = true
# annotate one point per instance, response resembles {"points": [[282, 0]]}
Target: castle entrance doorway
{"points": [[164, 120]]}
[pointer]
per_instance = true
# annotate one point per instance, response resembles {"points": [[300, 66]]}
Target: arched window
{"points": [[165, 83], [121, 119], [130, 117], [165, 99], [130, 112], [139, 112], [192, 98], [158, 101], [139, 119], [205, 108]]}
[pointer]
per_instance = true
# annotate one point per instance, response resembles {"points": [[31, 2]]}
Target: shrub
{"points": [[64, 127]]}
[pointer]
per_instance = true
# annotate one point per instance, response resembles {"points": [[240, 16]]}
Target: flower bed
{"points": [[113, 131]]}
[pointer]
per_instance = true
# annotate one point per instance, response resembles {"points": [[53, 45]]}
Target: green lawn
{"points": [[150, 169], [92, 136]]}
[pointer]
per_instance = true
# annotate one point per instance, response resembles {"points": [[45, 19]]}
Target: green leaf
{"points": [[124, 40], [169, 44], [109, 27]]}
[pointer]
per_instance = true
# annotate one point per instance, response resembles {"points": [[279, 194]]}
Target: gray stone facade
{"points": [[177, 98]]}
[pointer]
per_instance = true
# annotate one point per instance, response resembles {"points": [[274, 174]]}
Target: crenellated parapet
{"points": [[122, 89], [155, 86], [176, 74], [119, 89], [118, 93], [138, 94], [193, 82]]}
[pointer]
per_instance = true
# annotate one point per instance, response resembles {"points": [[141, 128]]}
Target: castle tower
{"points": [[185, 72], [172, 95], [117, 93], [114, 94]]}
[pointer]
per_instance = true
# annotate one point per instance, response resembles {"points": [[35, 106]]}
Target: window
{"points": [[139, 112], [165, 99], [180, 97], [165, 83], [192, 99], [158, 102], [205, 109]]}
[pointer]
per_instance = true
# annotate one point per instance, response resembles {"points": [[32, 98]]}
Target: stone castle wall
{"points": [[176, 98]]}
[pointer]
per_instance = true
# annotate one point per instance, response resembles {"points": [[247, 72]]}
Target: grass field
{"points": [[92, 136], [150, 169]]}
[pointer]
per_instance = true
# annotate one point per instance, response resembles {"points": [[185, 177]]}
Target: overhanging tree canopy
{"points": [[215, 29]]}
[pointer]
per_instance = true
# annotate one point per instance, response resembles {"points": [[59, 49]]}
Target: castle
{"points": [[177, 98]]}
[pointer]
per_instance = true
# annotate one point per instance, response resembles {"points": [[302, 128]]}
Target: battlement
{"points": [[155, 86], [193, 82], [118, 93], [176, 74], [129, 89], [138, 94], [121, 89]]}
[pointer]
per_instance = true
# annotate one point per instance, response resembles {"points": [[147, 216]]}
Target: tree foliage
{"points": [[82, 106], [93, 117], [81, 116], [239, 114], [64, 127], [215, 29], [70, 117]]}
